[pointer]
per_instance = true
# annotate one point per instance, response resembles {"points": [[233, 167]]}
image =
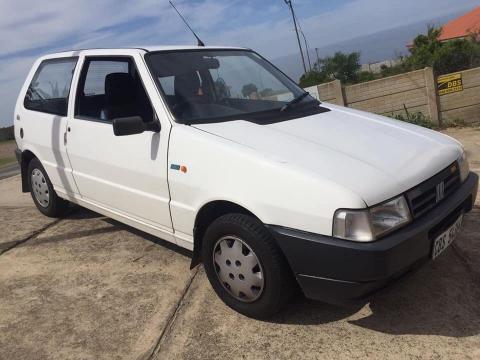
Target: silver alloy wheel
{"points": [[238, 269], [40, 188]]}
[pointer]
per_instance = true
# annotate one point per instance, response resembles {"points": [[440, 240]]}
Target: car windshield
{"points": [[202, 86]]}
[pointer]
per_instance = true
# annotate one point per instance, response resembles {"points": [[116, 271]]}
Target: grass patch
{"points": [[7, 161], [415, 118], [420, 119], [460, 123], [3, 142]]}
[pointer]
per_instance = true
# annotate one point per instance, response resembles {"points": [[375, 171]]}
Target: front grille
{"points": [[429, 193]]}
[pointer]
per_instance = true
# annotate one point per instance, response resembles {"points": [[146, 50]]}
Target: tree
{"points": [[400, 68], [427, 50], [223, 91], [456, 55], [444, 57], [266, 92], [363, 76], [312, 78], [249, 89], [424, 49], [344, 67]]}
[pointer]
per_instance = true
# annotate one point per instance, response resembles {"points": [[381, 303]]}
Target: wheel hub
{"points": [[40, 188], [238, 269]]}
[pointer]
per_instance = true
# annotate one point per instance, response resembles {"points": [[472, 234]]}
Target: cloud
{"points": [[13, 72], [350, 20], [50, 23], [29, 28]]}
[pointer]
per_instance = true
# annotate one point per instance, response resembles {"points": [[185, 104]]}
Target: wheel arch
{"points": [[208, 213], [26, 157]]}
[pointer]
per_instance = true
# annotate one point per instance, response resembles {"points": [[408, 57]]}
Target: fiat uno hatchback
{"points": [[217, 151]]}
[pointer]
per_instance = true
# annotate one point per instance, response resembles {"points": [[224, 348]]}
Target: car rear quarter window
{"points": [[50, 87]]}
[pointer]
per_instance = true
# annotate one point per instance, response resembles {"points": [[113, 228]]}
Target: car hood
{"points": [[375, 157]]}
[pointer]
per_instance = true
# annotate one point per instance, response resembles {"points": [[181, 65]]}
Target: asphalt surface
{"points": [[87, 287]]}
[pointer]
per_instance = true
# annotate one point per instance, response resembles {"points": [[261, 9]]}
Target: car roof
{"points": [[184, 47], [133, 49]]}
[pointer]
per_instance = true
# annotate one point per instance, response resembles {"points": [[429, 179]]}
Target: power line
{"points": [[318, 58], [306, 43]]}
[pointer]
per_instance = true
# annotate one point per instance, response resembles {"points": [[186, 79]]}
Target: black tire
{"points": [[56, 207], [279, 284]]}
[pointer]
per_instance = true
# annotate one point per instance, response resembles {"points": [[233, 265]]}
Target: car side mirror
{"points": [[133, 125]]}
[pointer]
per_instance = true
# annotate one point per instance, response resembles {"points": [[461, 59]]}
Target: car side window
{"points": [[109, 88], [50, 87]]}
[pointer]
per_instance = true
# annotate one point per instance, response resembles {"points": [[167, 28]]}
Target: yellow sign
{"points": [[448, 84]]}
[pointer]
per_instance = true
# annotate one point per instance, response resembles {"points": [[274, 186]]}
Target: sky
{"points": [[30, 28]]}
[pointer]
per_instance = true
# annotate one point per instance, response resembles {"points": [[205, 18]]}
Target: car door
{"points": [[126, 175], [41, 119]]}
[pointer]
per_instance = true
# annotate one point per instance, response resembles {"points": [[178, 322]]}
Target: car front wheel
{"points": [[246, 268]]}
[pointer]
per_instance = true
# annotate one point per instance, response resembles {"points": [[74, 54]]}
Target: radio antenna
{"points": [[199, 42]]}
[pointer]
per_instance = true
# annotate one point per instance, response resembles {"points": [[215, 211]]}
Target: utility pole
{"points": [[306, 49], [289, 4], [318, 59]]}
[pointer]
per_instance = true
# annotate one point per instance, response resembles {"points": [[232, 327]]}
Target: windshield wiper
{"points": [[294, 101]]}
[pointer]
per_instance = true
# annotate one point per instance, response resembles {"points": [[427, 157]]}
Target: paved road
{"points": [[88, 287], [9, 170]]}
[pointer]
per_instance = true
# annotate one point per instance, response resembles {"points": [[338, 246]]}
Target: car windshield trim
{"points": [[307, 106], [266, 117]]}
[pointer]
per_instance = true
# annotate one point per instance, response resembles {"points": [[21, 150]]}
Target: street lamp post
{"points": [[289, 3]]}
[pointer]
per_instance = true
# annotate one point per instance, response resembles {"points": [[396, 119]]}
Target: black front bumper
{"points": [[342, 272]]}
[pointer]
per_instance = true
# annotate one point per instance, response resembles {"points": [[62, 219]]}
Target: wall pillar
{"points": [[432, 96], [338, 91]]}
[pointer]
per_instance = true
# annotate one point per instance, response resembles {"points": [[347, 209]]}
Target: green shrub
{"points": [[417, 118], [364, 76], [340, 66], [457, 122], [7, 133], [312, 78], [426, 51]]}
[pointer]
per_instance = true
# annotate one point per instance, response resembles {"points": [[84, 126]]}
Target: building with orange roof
{"points": [[462, 26]]}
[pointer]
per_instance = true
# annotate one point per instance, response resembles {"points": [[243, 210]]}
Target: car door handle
{"points": [[65, 136]]}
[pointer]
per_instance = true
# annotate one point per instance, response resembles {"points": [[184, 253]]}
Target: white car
{"points": [[216, 150]]}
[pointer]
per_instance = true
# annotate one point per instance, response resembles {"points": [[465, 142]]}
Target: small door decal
{"points": [[181, 168]]}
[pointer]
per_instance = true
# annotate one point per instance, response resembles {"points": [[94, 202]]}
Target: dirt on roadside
{"points": [[7, 149]]}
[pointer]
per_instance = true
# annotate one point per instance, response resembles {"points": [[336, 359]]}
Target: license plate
{"points": [[446, 238]]}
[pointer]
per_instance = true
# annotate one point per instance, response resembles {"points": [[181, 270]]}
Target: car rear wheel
{"points": [[246, 268], [43, 194]]}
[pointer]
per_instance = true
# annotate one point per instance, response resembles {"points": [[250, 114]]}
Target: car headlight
{"points": [[464, 167], [369, 224]]}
